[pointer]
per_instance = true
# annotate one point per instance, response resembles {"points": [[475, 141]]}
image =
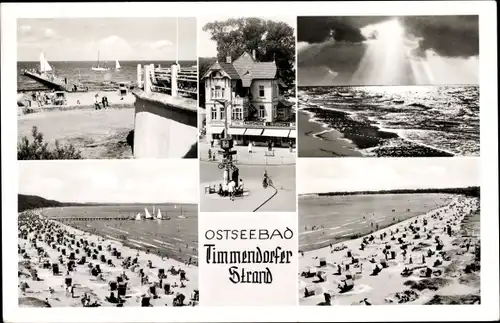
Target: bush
{"points": [[38, 149]]}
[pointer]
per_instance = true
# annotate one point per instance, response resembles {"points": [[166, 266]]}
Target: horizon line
{"points": [[392, 190], [109, 202], [114, 59], [360, 85]]}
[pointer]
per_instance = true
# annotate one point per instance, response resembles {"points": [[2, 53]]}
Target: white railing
{"points": [[176, 81]]}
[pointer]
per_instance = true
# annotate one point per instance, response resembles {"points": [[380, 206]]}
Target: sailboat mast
{"points": [[97, 58]]}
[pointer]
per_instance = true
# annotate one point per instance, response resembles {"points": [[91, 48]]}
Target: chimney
{"points": [[228, 59], [253, 55]]}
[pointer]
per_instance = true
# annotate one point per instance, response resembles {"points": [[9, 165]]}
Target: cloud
{"points": [[25, 29], [160, 44], [49, 33], [450, 36], [340, 29]]}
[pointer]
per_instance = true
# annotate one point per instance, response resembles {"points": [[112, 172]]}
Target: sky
{"points": [[383, 50], [152, 181], [315, 175], [79, 39], [208, 47]]}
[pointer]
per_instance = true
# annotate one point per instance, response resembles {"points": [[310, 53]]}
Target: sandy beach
{"points": [[316, 140], [96, 268], [431, 258], [96, 133]]}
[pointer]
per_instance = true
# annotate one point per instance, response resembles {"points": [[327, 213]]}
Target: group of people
{"points": [[103, 101], [229, 187], [41, 98], [43, 235]]}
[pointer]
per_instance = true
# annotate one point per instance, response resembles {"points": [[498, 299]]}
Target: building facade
{"points": [[249, 91]]}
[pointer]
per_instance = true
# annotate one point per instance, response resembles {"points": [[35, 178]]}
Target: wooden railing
{"points": [[175, 81]]}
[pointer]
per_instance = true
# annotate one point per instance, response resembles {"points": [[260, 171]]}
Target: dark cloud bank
{"points": [[336, 43]]}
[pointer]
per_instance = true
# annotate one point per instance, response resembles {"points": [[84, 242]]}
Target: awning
{"points": [[253, 132], [293, 134], [215, 129], [236, 131], [285, 103], [276, 133]]}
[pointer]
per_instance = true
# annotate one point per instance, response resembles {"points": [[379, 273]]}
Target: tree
{"points": [[38, 149], [270, 40]]}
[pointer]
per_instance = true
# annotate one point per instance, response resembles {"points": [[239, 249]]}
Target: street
{"points": [[281, 198]]}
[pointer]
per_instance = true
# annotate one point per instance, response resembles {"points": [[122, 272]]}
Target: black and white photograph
{"points": [[247, 116], [381, 232], [384, 86], [107, 88], [117, 234]]}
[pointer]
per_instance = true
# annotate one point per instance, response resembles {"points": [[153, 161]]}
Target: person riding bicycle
{"points": [[266, 179]]}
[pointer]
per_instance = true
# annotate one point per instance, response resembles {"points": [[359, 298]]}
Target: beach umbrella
{"points": [[32, 302]]}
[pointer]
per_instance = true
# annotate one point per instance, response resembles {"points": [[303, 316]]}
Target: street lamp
{"points": [[226, 143]]}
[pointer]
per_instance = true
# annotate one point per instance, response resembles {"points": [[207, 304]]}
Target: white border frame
{"points": [[489, 308]]}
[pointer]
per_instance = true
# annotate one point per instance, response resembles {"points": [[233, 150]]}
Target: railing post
{"points": [[153, 75], [147, 78], [173, 76], [139, 70]]}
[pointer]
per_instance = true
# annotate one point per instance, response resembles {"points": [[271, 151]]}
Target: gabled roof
{"points": [[247, 69], [228, 68]]}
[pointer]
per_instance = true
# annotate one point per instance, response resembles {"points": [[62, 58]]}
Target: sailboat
{"points": [[44, 65], [159, 216], [117, 65], [148, 215], [138, 217], [98, 67]]}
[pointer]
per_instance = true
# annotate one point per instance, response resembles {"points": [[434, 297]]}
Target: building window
{"points": [[222, 113], [281, 114], [262, 111], [237, 113], [213, 113], [217, 93], [222, 92], [212, 93], [261, 91], [274, 112]]}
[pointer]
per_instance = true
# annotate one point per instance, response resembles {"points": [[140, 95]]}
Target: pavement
{"points": [[282, 156], [280, 198]]}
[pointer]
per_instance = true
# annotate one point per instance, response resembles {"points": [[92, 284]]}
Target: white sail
{"points": [[148, 215], [138, 217], [158, 216], [117, 65], [44, 65]]}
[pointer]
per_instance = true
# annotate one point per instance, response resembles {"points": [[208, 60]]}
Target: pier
{"points": [[54, 82], [166, 112], [90, 218]]}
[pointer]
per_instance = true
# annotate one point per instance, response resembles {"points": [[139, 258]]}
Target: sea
{"points": [[441, 117], [82, 72], [176, 238]]}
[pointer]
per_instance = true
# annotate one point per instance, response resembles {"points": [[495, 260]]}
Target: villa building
{"points": [[256, 112]]}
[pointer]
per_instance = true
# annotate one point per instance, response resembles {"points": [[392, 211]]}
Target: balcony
{"points": [[240, 101]]}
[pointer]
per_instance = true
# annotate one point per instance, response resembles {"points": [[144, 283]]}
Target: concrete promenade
{"points": [[280, 198], [282, 156]]}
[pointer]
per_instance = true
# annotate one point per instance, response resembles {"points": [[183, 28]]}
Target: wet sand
{"points": [[361, 136], [434, 262], [36, 247], [315, 140], [96, 133]]}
